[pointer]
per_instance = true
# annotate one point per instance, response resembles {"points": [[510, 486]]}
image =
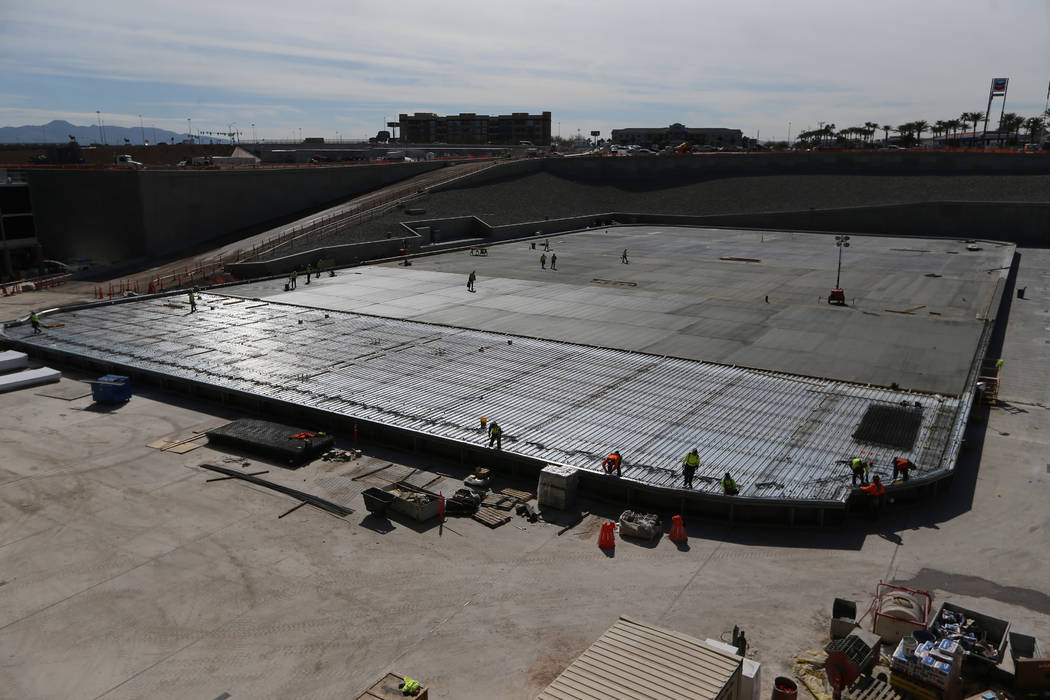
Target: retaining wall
{"points": [[113, 214], [639, 170]]}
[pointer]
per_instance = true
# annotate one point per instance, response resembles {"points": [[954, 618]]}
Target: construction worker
{"points": [[546, 245], [496, 435], [729, 487], [291, 279], [543, 261], [612, 463], [193, 301], [901, 467], [875, 491], [861, 469], [554, 261], [470, 281], [689, 465], [623, 258], [35, 322], [309, 270]]}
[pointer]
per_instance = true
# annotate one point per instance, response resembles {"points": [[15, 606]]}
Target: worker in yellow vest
{"points": [[689, 465]]}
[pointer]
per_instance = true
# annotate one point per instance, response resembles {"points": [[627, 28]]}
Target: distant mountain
{"points": [[59, 131]]}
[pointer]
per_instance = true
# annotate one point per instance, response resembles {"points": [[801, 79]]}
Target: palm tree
{"points": [[871, 127], [1010, 123], [920, 126], [905, 131], [974, 118], [1033, 125], [886, 129]]}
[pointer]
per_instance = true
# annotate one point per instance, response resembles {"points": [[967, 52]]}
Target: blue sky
{"points": [[342, 67]]}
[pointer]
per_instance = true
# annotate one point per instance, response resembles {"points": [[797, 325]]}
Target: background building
{"points": [[675, 134], [426, 127]]}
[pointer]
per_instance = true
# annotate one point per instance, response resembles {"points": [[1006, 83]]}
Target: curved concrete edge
{"points": [[593, 484]]}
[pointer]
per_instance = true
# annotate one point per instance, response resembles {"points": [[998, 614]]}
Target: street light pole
{"points": [[840, 242]]}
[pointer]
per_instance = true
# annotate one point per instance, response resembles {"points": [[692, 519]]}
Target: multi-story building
{"points": [[511, 129], [675, 134]]}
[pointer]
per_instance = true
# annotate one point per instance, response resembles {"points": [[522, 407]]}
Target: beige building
{"points": [[675, 134]]}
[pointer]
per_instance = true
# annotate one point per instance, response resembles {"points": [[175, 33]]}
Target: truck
{"points": [[126, 161]]}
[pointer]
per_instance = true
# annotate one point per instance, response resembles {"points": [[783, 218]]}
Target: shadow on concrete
{"points": [[377, 523]]}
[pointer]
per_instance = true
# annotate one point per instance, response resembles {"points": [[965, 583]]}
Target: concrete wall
{"points": [[642, 169], [114, 214], [1022, 223], [88, 214]]}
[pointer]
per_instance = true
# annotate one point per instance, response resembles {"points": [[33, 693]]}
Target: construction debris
{"points": [[321, 503], [644, 526], [335, 455]]}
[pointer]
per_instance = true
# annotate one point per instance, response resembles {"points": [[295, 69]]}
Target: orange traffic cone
{"points": [[678, 530], [606, 539]]}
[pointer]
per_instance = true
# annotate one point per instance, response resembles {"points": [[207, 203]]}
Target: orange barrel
{"points": [[784, 689]]}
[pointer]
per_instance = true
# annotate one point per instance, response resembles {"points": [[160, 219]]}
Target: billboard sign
{"points": [[999, 86]]}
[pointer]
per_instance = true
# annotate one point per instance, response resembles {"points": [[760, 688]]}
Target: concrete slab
{"points": [[903, 293]]}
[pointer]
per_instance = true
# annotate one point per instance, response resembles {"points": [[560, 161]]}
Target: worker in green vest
{"points": [[543, 261], [470, 281], [193, 301], [729, 486], [291, 279], [861, 469], [496, 435], [689, 465], [308, 271], [408, 686], [35, 322]]}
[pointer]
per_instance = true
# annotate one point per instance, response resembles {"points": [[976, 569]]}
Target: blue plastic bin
{"points": [[112, 388]]}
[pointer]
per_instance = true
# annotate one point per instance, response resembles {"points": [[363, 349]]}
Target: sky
{"points": [[342, 68]]}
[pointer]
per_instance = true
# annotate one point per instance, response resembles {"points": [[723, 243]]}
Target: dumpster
{"points": [[377, 500], [112, 388]]}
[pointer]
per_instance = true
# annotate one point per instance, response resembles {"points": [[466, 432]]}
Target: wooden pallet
{"points": [[491, 517], [523, 496], [491, 499], [876, 690]]}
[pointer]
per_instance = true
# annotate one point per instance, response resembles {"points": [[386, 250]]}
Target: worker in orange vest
{"points": [[612, 462], [901, 467], [875, 491]]}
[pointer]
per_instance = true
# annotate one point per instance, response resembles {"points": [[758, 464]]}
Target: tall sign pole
{"points": [[997, 88]]}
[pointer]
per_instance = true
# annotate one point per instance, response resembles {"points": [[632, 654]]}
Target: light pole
{"points": [[98, 114], [789, 134], [840, 242], [253, 133], [232, 134], [189, 129]]}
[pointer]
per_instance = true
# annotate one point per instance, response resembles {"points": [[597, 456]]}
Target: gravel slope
{"points": [[540, 195]]}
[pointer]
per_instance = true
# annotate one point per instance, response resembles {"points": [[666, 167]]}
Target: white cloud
{"points": [[755, 65]]}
